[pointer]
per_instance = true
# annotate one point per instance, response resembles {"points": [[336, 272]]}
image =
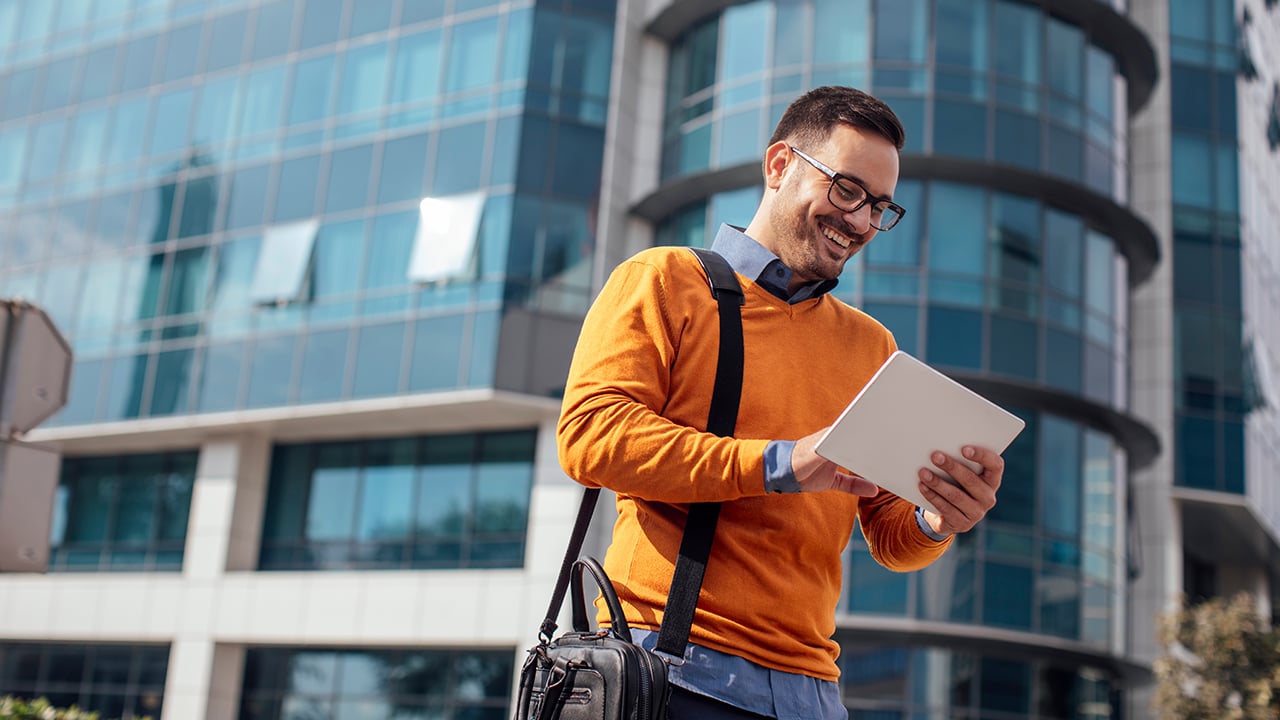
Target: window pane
{"points": [[956, 228], [172, 382], [417, 68], [1007, 596], [378, 353], [473, 55], [364, 77], [434, 363], [457, 166], [386, 500], [334, 487], [348, 178], [404, 163], [312, 89], [964, 41], [954, 337], [1015, 348], [1064, 252], [743, 29], [263, 97], [1064, 50], [296, 198], [901, 28], [270, 371], [324, 363]]}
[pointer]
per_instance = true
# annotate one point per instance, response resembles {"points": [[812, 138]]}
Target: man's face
{"points": [[813, 237]]}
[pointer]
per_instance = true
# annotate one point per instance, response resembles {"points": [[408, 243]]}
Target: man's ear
{"points": [[776, 157]]}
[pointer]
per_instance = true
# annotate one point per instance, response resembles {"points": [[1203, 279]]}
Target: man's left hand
{"points": [[961, 504]]}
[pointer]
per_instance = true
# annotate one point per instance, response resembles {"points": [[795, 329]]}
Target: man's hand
{"points": [[963, 503], [815, 472]]}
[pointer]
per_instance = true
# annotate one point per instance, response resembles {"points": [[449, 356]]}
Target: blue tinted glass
{"points": [[1227, 197], [297, 188], [99, 73], [740, 139], [1059, 476], [435, 363], [82, 400], [1017, 139], [273, 26], [370, 16], [220, 377], [84, 145], [1015, 251], [46, 150], [960, 129], [173, 382], [841, 34], [320, 21], [743, 29], [270, 371], [1007, 594], [1065, 152], [139, 61], [13, 151], [128, 131], [248, 197], [735, 207], [263, 97], [334, 487], [378, 353], [324, 364], [901, 320], [188, 284], [20, 94], [172, 116], [59, 84], [473, 55], [124, 396], [902, 30], [364, 79], [578, 158], [458, 165], [226, 40], [348, 178], [1017, 55], [1017, 505], [517, 46], [1014, 348], [404, 162], [182, 52], [1064, 252], [214, 121], [1064, 55], [964, 42], [957, 222], [237, 260], [1190, 19], [416, 74], [1006, 684], [484, 348], [1063, 360], [1197, 452], [954, 337], [389, 250], [335, 261], [312, 90]]}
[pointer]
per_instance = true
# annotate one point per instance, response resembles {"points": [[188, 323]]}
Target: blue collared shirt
{"points": [[729, 678]]}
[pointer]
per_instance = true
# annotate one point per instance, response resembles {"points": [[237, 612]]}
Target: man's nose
{"points": [[860, 219]]}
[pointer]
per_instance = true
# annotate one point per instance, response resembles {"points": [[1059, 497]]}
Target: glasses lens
{"points": [[846, 194], [889, 216]]}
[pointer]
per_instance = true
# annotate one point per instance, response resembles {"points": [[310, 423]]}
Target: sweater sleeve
{"points": [[612, 432], [889, 526]]}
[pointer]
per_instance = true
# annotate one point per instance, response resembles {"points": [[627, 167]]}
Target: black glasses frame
{"points": [[884, 213]]}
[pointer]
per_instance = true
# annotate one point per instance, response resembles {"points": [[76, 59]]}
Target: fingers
{"points": [[964, 502]]}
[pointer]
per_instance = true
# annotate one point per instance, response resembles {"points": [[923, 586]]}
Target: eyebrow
{"points": [[863, 183]]}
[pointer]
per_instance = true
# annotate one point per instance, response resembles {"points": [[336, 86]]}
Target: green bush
{"points": [[16, 709]]}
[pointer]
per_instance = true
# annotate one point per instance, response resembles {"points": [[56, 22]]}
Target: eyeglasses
{"points": [[849, 195]]}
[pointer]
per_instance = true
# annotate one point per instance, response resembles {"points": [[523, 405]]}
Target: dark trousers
{"points": [[687, 705]]}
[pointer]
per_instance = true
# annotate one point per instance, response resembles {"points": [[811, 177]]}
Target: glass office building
{"points": [[322, 263]]}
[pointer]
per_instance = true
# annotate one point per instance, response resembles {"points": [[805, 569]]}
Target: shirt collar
{"points": [[752, 260]]}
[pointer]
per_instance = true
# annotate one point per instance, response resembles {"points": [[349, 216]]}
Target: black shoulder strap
{"points": [[700, 527]]}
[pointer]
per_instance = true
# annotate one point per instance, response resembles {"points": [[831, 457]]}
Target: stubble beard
{"points": [[799, 240]]}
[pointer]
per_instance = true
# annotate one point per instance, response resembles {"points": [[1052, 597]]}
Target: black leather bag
{"points": [[602, 675], [590, 675]]}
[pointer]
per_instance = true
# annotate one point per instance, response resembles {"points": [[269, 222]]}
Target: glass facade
{"points": [[958, 73], [978, 280], [394, 684], [115, 681], [443, 501], [122, 513], [221, 205], [1209, 352], [941, 683], [1045, 560]]}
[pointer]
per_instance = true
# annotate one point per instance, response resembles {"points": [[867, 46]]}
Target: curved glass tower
{"points": [[1011, 271]]}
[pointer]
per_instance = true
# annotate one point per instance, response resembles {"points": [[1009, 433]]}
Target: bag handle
{"points": [[700, 526], [617, 621]]}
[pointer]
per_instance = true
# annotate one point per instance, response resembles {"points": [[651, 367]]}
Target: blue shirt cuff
{"points": [[778, 476], [924, 526]]}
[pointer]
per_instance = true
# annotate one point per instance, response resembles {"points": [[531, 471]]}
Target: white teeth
{"points": [[840, 240]]}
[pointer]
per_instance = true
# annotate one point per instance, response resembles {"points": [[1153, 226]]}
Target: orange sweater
{"points": [[635, 409]]}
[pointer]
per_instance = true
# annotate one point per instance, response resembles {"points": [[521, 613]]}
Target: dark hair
{"points": [[811, 117]]}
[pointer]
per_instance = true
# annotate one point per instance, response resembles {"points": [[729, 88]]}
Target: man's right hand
{"points": [[815, 473]]}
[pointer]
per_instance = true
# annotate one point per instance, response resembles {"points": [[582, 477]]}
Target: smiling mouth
{"points": [[842, 240]]}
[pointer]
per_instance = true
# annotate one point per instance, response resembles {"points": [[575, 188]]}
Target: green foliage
{"points": [[1220, 661], [15, 709]]}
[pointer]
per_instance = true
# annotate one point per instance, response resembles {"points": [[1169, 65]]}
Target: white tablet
{"points": [[906, 412]]}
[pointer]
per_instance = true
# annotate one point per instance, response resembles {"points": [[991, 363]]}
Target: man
{"points": [[636, 405]]}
